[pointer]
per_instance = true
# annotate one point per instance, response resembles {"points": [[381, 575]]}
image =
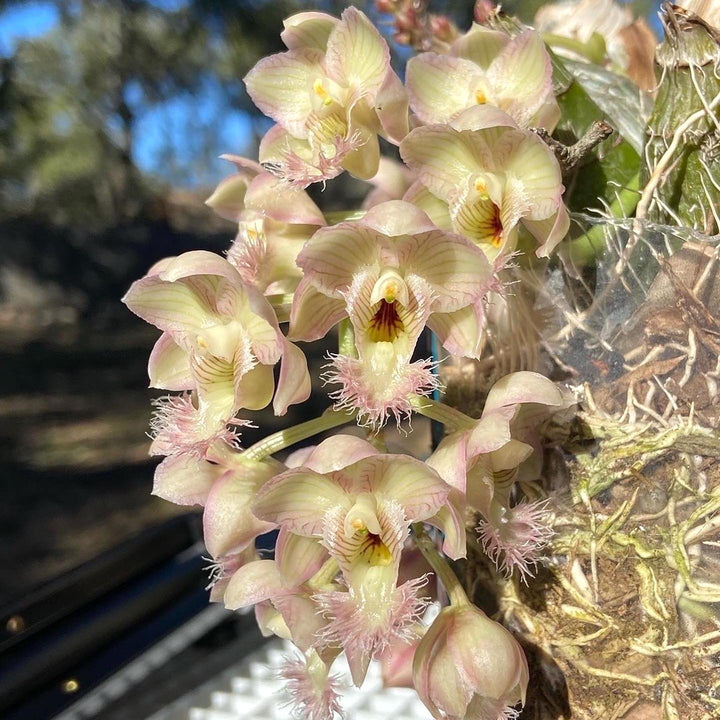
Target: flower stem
{"points": [[289, 436], [441, 412], [440, 566]]}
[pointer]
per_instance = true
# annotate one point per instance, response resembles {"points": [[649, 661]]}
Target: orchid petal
{"points": [[215, 384], [457, 270], [435, 208], [357, 55], [491, 432], [443, 158], [298, 500], [460, 331], [196, 262], [307, 30], [228, 198], [480, 44], [418, 489], [391, 106], [449, 519], [280, 85], [294, 381], [397, 217], [333, 255], [441, 86], [228, 522], [337, 452], [254, 389], [364, 160], [523, 387], [313, 314], [449, 460], [298, 557], [281, 202], [252, 583], [550, 231], [169, 365], [184, 480]]}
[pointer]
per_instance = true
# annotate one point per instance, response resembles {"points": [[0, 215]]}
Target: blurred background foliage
{"points": [[112, 116]]}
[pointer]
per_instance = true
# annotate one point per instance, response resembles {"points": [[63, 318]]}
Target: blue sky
{"points": [[172, 130]]}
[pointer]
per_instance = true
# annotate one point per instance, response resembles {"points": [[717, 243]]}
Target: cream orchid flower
{"points": [[392, 273], [481, 176], [330, 94], [220, 340], [360, 503], [485, 67], [274, 222]]}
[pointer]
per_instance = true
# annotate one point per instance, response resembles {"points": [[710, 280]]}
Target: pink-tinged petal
{"points": [[523, 387], [184, 479], [174, 307], [522, 76], [480, 44], [435, 208], [363, 160], [391, 106], [511, 455], [307, 30], [514, 538], [531, 162], [357, 55], [228, 198], [441, 86], [376, 396], [252, 583], [313, 313], [298, 458], [491, 432], [298, 500], [419, 490], [315, 695], [482, 117], [302, 618], [281, 85], [460, 332], [223, 569], [337, 452], [274, 144], [397, 663], [334, 254], [228, 522], [390, 183], [169, 365], [298, 557], [397, 217], [243, 164], [450, 520], [215, 382], [449, 460], [366, 624], [197, 262], [443, 158], [457, 270], [549, 232], [294, 381], [179, 427], [281, 202], [254, 389]]}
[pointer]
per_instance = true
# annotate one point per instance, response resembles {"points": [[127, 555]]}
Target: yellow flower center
{"points": [[321, 92]]}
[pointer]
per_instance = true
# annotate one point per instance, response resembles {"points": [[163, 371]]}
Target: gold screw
{"points": [[70, 686]]}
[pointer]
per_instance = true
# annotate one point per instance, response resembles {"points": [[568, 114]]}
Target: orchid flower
{"points": [[220, 340], [481, 175], [485, 67], [330, 94], [468, 667], [274, 222], [360, 504], [391, 273], [482, 465]]}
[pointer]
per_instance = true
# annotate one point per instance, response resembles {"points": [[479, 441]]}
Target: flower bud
{"points": [[469, 666]]}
